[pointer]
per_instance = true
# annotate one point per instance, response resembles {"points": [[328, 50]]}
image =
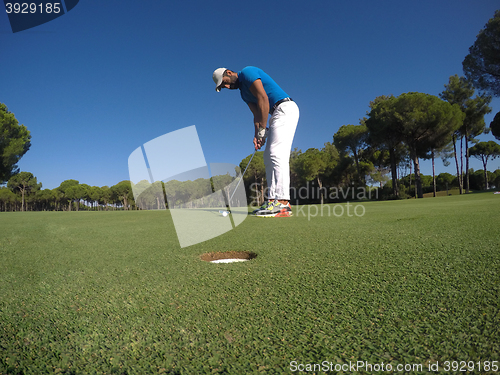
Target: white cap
{"points": [[217, 77]]}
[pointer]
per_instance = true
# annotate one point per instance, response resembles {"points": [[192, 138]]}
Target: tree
{"points": [[311, 165], [24, 182], [352, 138], [495, 126], [105, 197], [444, 181], [381, 162], [44, 198], [95, 193], [457, 91], [173, 189], [384, 133], [85, 193], [294, 177], [483, 151], [14, 143], [460, 91], [478, 179], [220, 182], [332, 158], [496, 178], [256, 174], [68, 191], [410, 180], [7, 198], [474, 125], [123, 192], [482, 64], [426, 123], [76, 193], [147, 196], [58, 198]]}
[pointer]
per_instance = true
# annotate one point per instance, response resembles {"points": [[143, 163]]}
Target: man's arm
{"points": [[260, 110]]}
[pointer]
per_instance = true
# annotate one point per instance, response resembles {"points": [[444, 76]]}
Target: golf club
{"points": [[223, 212]]}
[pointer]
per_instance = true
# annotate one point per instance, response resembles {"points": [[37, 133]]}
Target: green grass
{"points": [[410, 282], [443, 193]]}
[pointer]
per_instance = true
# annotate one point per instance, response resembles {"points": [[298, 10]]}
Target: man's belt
{"points": [[278, 103]]}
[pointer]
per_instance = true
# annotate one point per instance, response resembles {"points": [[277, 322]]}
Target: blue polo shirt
{"points": [[249, 75]]}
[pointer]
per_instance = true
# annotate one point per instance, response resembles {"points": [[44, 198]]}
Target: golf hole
{"points": [[228, 256]]}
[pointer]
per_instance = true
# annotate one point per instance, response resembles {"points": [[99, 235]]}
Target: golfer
{"points": [[264, 97]]}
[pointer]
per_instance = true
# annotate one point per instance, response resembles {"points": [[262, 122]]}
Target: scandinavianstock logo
{"points": [[204, 200], [26, 14]]}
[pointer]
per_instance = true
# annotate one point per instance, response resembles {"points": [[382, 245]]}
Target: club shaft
{"points": [[241, 178]]}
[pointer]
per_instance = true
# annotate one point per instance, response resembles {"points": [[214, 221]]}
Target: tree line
{"points": [[23, 192]]}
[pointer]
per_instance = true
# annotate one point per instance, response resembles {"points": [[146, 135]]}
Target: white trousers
{"points": [[282, 127]]}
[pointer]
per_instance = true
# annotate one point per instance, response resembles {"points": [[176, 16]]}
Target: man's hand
{"points": [[260, 137], [258, 143]]}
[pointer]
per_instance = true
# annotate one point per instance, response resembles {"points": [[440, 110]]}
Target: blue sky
{"points": [[109, 76]]}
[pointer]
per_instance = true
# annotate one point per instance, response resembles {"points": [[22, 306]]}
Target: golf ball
{"points": [[224, 213]]}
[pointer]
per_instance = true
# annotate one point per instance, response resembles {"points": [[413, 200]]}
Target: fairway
{"points": [[413, 282]]}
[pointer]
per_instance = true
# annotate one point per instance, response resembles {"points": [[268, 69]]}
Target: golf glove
{"points": [[262, 134]]}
